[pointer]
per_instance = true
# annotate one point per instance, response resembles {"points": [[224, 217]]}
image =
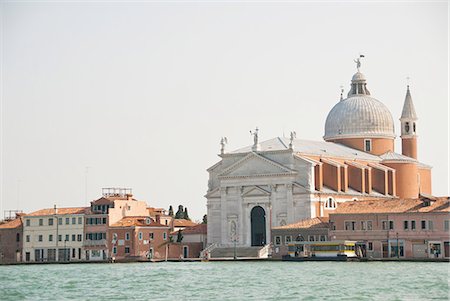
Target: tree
{"points": [[185, 214], [179, 236], [205, 219], [170, 210], [180, 212]]}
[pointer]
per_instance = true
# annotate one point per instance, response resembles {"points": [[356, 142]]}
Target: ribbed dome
{"points": [[359, 115]]}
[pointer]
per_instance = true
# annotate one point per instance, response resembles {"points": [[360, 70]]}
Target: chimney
{"points": [[129, 196], [54, 208], [158, 219]]}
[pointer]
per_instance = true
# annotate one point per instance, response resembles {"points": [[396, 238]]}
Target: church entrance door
{"points": [[258, 226]]}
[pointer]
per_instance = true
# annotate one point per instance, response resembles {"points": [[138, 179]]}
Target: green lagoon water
{"points": [[227, 281]]}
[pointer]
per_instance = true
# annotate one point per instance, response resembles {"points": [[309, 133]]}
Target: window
{"points": [[50, 221], [59, 237], [67, 220], [79, 237], [50, 237], [67, 237], [74, 253], [73, 237], [369, 225], [413, 225], [447, 225], [330, 203], [370, 246], [127, 250], [423, 225], [287, 239], [367, 145], [150, 235], [311, 237], [41, 222], [277, 240], [17, 237], [384, 225], [407, 127], [74, 220], [391, 225], [363, 225], [40, 238], [405, 225], [27, 222], [350, 225], [127, 236], [80, 220], [430, 225], [60, 221], [414, 127], [164, 235], [114, 250], [28, 238], [323, 238], [140, 235]]}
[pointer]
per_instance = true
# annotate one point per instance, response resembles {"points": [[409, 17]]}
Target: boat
{"points": [[345, 250]]}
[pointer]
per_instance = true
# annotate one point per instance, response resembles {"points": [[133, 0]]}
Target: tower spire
{"points": [[408, 121]]}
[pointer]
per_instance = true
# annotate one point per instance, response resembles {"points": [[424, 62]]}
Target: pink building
{"points": [[11, 240], [136, 238], [406, 228], [192, 243]]}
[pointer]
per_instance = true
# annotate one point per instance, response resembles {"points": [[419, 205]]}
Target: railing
{"points": [[206, 253], [91, 243], [265, 251]]}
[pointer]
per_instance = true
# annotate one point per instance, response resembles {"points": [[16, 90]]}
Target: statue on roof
{"points": [[293, 136], [223, 141], [255, 136], [358, 61]]}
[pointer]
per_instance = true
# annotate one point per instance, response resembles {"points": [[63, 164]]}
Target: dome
{"points": [[358, 76], [359, 115]]}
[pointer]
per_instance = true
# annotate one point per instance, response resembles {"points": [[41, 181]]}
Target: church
{"points": [[283, 180]]}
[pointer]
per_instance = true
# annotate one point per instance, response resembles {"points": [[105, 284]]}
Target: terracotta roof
{"points": [[441, 204], [15, 223], [60, 211], [132, 221], [197, 229], [317, 222], [180, 222]]}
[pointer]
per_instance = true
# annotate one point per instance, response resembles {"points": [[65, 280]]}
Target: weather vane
{"points": [[358, 61]]}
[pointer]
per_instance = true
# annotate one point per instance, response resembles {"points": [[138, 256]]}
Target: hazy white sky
{"points": [[142, 92]]}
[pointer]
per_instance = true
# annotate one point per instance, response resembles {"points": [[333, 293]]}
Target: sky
{"points": [[138, 94]]}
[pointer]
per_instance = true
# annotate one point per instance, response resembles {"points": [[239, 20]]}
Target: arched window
{"points": [[414, 127], [330, 203], [283, 222], [407, 127]]}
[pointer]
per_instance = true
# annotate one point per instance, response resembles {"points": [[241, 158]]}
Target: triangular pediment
{"points": [[255, 165], [298, 188], [255, 191], [215, 193]]}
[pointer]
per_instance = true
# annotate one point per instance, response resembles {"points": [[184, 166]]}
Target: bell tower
{"points": [[408, 122]]}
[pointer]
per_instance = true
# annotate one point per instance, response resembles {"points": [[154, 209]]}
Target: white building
{"points": [[54, 235]]}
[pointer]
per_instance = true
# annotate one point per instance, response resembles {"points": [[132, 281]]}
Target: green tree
{"points": [[205, 219], [170, 210], [180, 212], [179, 236], [186, 215]]}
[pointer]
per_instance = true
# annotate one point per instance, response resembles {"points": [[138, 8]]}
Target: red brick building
{"points": [[136, 238], [11, 236]]}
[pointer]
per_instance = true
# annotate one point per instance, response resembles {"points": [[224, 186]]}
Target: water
{"points": [[227, 281]]}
